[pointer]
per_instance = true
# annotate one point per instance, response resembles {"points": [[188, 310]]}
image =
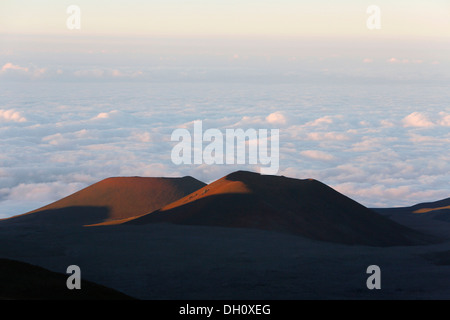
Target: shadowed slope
{"points": [[436, 210], [23, 281], [429, 217], [303, 207], [112, 199]]}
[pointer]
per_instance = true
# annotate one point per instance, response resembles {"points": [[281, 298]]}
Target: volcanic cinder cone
{"points": [[112, 199], [307, 208]]}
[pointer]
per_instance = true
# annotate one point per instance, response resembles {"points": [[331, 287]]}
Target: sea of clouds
{"points": [[380, 144]]}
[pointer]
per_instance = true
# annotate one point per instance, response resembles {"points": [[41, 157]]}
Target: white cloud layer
{"points": [[317, 155], [11, 115], [276, 118], [9, 66], [417, 119], [10, 70], [375, 145]]}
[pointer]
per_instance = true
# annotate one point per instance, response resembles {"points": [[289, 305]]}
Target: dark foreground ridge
{"points": [[23, 281]]}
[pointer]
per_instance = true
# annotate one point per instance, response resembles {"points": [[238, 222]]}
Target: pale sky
{"points": [[224, 39], [228, 17]]}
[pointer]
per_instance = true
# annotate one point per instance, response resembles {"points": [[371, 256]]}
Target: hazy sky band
{"points": [[230, 17], [243, 58], [226, 41]]}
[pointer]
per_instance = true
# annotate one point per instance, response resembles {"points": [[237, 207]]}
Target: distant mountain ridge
{"points": [[425, 207], [436, 210], [242, 199]]}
